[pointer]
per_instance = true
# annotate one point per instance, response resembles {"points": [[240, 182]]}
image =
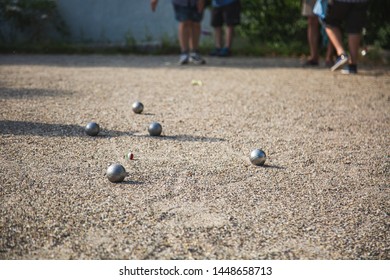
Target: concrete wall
{"points": [[117, 21]]}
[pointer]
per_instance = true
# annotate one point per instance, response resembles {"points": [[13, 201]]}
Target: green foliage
{"points": [[269, 27], [383, 36], [276, 21], [280, 21], [32, 18], [378, 23]]}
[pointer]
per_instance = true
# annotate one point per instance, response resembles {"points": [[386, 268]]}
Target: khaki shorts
{"points": [[307, 7]]}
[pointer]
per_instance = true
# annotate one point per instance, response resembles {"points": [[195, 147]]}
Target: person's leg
{"points": [[355, 22], [182, 16], [217, 23], [353, 45], [229, 33], [195, 57], [217, 41], [194, 36], [313, 34], [231, 15], [335, 15], [183, 35], [329, 54], [218, 37], [335, 37]]}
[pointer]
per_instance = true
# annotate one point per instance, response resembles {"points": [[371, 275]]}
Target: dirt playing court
{"points": [[192, 193]]}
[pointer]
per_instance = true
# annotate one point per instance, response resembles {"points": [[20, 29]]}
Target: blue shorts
{"points": [[187, 13]]}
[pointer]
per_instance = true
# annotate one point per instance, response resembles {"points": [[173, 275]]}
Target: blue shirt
{"points": [[185, 2], [220, 3]]}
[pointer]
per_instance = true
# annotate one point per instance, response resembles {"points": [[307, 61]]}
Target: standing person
{"points": [[313, 35], [224, 12], [189, 14], [353, 13]]}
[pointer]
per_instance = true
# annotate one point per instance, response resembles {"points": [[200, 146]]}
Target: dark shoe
{"points": [[195, 58], [349, 69], [340, 61], [224, 52], [215, 52], [310, 63]]}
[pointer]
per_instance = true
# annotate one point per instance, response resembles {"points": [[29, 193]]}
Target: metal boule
{"points": [[92, 129], [155, 129], [138, 107], [258, 157], [116, 173]]}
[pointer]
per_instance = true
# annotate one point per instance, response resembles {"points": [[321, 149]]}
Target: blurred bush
{"points": [[280, 21], [276, 21], [378, 24], [30, 20]]}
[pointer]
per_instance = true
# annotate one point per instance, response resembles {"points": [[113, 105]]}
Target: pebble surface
{"points": [[192, 193]]}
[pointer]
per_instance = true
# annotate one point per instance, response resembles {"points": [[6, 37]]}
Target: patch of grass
{"points": [[245, 47], [66, 48]]}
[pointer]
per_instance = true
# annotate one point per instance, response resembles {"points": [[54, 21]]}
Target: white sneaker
{"points": [[184, 58]]}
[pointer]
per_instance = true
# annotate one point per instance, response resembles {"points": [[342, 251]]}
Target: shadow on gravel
{"points": [[130, 182], [52, 130], [273, 166], [189, 138], [20, 93]]}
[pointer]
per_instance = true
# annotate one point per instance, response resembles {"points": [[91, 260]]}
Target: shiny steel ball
{"points": [[257, 157], [92, 129], [116, 173], [155, 129], [138, 107]]}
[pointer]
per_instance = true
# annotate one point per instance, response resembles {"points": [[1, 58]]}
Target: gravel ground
{"points": [[192, 193]]}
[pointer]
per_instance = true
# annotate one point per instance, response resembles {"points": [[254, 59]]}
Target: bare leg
{"points": [[329, 53], [229, 33], [334, 35], [195, 58], [354, 44], [313, 34], [218, 37], [194, 36], [183, 34]]}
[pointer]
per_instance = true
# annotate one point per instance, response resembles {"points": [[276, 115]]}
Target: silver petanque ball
{"points": [[155, 129], [92, 129], [257, 157], [116, 173], [138, 107]]}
